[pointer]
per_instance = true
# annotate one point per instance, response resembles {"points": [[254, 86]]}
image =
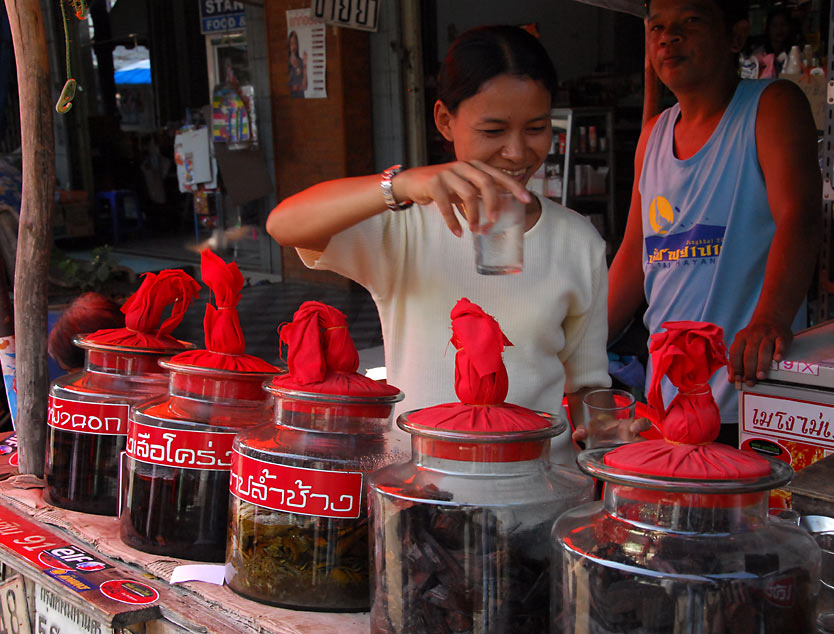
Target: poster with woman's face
{"points": [[306, 55]]}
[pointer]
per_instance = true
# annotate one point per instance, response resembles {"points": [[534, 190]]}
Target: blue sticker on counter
{"points": [[71, 579]]}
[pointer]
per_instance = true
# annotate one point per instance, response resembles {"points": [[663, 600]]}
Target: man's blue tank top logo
{"points": [[702, 242], [661, 215]]}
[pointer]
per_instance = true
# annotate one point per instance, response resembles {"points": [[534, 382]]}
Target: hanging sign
{"points": [[354, 14], [217, 16]]}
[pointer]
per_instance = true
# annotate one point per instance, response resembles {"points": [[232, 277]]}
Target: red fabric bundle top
{"points": [[322, 357], [143, 312], [480, 380], [688, 354], [225, 344]]}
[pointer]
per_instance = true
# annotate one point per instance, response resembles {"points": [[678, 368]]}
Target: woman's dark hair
{"points": [[484, 52], [86, 314], [292, 34]]}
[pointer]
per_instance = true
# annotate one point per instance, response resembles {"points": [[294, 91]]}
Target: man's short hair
{"points": [[733, 10]]}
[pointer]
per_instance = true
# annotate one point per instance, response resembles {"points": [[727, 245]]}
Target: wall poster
{"points": [[306, 54]]}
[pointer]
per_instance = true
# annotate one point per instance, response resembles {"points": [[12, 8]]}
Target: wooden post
{"points": [[35, 232]]}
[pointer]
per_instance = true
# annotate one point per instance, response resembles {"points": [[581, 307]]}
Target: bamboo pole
{"points": [[35, 232]]}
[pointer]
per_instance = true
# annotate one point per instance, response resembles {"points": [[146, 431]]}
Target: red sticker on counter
{"points": [[128, 591], [84, 417], [179, 447], [314, 492]]}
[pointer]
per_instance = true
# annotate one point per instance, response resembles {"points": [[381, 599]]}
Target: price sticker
{"points": [[14, 614], [54, 615]]}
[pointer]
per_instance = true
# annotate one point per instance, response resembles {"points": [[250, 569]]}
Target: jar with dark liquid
{"points": [[87, 423], [681, 555], [461, 531], [179, 448], [299, 528]]}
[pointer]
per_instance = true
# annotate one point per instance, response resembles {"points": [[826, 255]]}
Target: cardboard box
{"points": [[790, 415], [72, 220]]}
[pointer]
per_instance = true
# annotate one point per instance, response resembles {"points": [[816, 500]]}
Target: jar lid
{"points": [[594, 463], [124, 359], [483, 445], [193, 379]]}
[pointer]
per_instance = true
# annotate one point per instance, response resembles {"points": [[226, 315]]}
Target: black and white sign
{"points": [[354, 14], [54, 615], [14, 612]]}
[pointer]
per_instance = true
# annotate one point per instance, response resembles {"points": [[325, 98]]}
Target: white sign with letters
{"points": [[54, 615], [354, 14]]}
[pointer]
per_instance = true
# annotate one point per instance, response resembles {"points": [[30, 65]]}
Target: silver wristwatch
{"points": [[388, 189]]}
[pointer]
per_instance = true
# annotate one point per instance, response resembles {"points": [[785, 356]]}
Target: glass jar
{"points": [[87, 423], [682, 555], [461, 531], [298, 531], [179, 448]]}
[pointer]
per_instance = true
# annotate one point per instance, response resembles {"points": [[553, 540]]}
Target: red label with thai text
{"points": [[84, 417], [781, 592], [180, 448], [295, 489]]}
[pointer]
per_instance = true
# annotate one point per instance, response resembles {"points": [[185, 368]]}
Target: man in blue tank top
{"points": [[725, 217]]}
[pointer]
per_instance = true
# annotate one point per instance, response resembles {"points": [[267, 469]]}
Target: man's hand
{"points": [[754, 348], [629, 431]]}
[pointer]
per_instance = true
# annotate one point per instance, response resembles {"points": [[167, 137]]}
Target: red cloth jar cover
{"points": [[489, 429], [481, 381], [143, 313], [224, 340], [688, 354], [322, 357]]}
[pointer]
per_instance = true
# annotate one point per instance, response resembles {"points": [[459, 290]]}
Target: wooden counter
{"points": [[102, 586]]}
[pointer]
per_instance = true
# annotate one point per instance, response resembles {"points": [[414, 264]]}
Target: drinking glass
{"points": [[607, 414], [499, 249]]}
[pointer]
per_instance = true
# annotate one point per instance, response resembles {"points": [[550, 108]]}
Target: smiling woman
{"points": [[495, 90]]}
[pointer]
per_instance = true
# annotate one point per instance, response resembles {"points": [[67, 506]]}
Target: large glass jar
{"points": [[179, 449], [684, 556], [298, 532], [461, 531], [87, 423]]}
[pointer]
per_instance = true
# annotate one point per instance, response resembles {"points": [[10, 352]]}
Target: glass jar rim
{"points": [[82, 342], [591, 461], [217, 373], [341, 399], [557, 426]]}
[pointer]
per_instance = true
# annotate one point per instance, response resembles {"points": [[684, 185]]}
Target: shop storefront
{"points": [[460, 534]]}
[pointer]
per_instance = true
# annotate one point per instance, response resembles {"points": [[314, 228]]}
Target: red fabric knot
{"points": [[481, 381], [688, 353], [225, 344], [321, 356], [143, 312]]}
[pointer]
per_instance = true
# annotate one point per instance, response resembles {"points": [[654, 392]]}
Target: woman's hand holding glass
{"points": [[461, 183]]}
